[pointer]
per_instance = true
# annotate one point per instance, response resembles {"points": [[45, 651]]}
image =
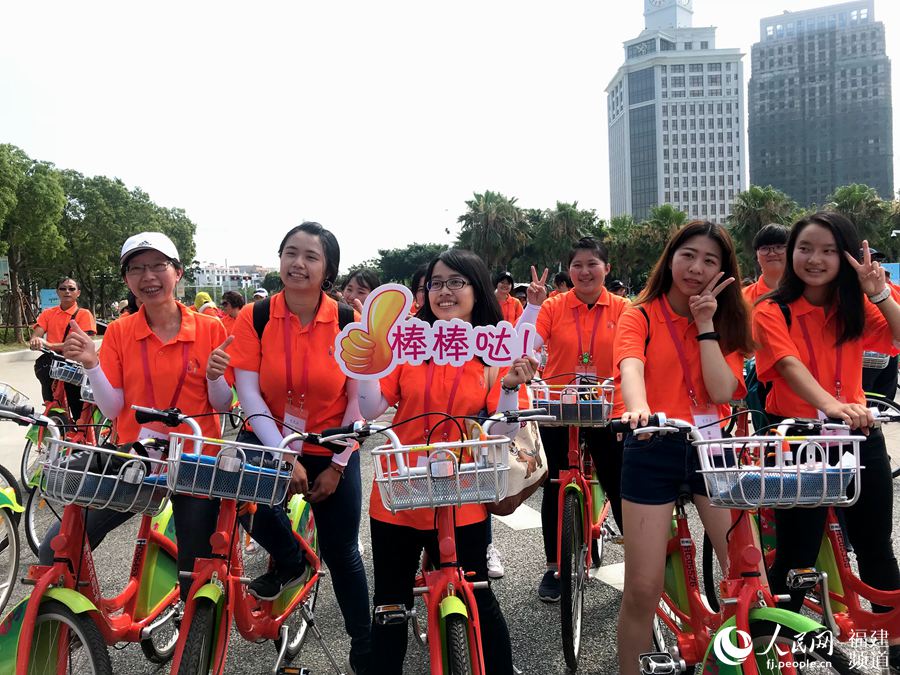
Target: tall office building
{"points": [[675, 112], [820, 103]]}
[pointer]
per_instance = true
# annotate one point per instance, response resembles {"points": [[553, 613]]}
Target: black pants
{"points": [[73, 392], [395, 555], [882, 381], [606, 453], [798, 531]]}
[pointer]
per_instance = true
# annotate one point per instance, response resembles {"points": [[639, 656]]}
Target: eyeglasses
{"points": [[63, 289], [453, 284], [775, 248], [156, 268]]}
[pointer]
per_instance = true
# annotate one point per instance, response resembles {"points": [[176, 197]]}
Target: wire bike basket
{"points": [[67, 371], [101, 478], [11, 397], [780, 471], [240, 471], [579, 405], [449, 473], [875, 360]]}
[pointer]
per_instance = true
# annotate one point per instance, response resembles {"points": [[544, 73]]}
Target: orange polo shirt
{"points": [[663, 379], [776, 342], [123, 364], [755, 291], [312, 350], [511, 309], [556, 325], [228, 321], [405, 387], [55, 321]]}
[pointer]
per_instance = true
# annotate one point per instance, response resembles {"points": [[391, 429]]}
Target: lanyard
{"points": [[586, 357], [814, 365], [679, 347], [148, 381], [289, 363], [429, 376]]}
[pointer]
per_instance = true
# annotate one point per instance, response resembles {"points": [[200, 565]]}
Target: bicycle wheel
{"points": [[160, 646], [892, 435], [65, 642], [801, 649], [9, 556], [199, 646], [33, 454], [572, 573], [39, 517], [8, 480], [456, 631], [298, 627]]}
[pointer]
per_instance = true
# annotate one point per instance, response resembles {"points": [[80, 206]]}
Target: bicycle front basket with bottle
{"points": [[442, 474], [67, 371], [101, 478], [239, 471], [575, 404], [780, 471]]}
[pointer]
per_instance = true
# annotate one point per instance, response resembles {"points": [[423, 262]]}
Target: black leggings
{"points": [[798, 531], [395, 557], [606, 453]]}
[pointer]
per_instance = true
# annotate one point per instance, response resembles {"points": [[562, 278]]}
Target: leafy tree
{"points": [[635, 247], [399, 264], [667, 217], [862, 206], [494, 227], [752, 209], [554, 234], [272, 282]]}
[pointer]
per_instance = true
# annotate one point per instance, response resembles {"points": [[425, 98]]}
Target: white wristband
{"points": [[880, 296]]}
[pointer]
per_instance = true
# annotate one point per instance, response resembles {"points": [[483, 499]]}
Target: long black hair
{"points": [[329, 245], [844, 290], [486, 311]]}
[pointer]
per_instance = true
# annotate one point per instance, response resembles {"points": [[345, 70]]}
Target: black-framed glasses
{"points": [[70, 289], [453, 284], [774, 248], [156, 268]]}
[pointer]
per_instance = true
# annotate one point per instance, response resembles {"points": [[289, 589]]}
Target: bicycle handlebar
{"points": [[171, 417], [620, 427]]}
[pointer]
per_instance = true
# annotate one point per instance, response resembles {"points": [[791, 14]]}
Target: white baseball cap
{"points": [[149, 241], [260, 293]]}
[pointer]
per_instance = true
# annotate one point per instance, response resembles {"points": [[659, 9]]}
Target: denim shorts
{"points": [[654, 469]]}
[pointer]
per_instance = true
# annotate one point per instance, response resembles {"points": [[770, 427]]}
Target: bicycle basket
{"points": [[87, 391], [11, 397], [760, 471], [580, 405], [67, 371], [98, 478], [875, 360], [239, 471], [442, 474]]}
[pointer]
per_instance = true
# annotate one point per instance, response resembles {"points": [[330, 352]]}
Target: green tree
{"points": [[635, 247], [666, 217], [31, 202], [493, 226], [552, 237], [272, 282], [752, 209], [862, 205], [399, 264]]}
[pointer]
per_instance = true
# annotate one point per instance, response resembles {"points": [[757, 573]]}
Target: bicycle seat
{"points": [[685, 495]]}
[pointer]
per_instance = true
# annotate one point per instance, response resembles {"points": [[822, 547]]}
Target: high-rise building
{"points": [[676, 118], [820, 103]]}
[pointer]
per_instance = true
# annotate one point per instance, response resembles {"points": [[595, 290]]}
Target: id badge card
{"points": [[295, 419], [706, 419], [587, 373], [156, 434]]}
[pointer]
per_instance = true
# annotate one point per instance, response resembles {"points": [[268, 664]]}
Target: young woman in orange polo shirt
{"points": [[163, 356], [458, 286], [510, 307], [578, 328], [679, 351], [815, 366], [290, 374]]}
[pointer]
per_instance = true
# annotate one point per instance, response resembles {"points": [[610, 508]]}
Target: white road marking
{"points": [[523, 518]]}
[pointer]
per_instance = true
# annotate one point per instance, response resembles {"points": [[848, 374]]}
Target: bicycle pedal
{"points": [[658, 663], [391, 615], [803, 579]]}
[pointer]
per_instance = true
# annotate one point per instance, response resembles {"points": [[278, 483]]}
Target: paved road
{"points": [[534, 626]]}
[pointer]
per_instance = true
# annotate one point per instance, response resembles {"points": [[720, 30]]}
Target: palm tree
{"points": [[752, 209], [667, 218], [862, 205], [494, 227]]}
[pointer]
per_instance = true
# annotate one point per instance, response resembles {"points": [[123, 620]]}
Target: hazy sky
{"points": [[378, 119]]}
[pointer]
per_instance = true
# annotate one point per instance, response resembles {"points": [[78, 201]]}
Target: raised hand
{"points": [[703, 307], [537, 289], [218, 360], [521, 371], [79, 347], [367, 351], [870, 273]]}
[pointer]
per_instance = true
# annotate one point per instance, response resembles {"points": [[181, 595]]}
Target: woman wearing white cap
{"points": [[163, 356]]}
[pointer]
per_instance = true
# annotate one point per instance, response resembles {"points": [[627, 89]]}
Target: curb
{"points": [[19, 355]]}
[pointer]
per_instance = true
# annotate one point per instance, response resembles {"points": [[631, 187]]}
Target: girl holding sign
{"points": [[679, 351], [283, 357], [812, 331], [458, 286]]}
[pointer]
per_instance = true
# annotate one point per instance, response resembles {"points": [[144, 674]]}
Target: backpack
{"points": [[262, 309]]}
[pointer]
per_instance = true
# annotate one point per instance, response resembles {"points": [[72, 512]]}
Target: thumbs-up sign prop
{"points": [[78, 346], [386, 336]]}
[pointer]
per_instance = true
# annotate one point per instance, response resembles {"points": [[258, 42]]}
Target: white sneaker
{"points": [[494, 564]]}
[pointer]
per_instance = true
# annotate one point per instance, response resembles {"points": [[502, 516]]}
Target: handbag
{"points": [[527, 466]]}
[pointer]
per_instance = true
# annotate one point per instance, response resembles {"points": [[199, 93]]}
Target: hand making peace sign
{"points": [[704, 306], [537, 289], [871, 274]]}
